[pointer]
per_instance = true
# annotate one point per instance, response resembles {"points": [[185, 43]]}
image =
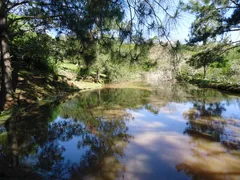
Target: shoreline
{"points": [[221, 86]]}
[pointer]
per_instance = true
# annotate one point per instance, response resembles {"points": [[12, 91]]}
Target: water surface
{"points": [[132, 132]]}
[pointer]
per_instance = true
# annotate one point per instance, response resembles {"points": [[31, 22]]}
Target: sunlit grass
{"points": [[68, 66], [4, 116]]}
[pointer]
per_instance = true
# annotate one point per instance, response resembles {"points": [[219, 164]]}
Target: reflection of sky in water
{"points": [[232, 109], [169, 118], [151, 122], [148, 150], [158, 146], [71, 151]]}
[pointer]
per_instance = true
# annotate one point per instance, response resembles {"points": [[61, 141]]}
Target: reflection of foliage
{"points": [[104, 117], [202, 121], [23, 134], [180, 93], [97, 128], [99, 124], [108, 103], [205, 120], [106, 146]]}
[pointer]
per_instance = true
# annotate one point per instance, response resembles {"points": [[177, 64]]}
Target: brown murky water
{"points": [[129, 132]]}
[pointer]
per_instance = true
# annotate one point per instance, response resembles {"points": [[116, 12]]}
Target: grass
{"points": [[66, 65], [4, 116], [87, 85], [69, 70]]}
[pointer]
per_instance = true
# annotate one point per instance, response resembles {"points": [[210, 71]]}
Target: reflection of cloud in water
{"points": [[137, 114], [195, 156], [173, 108], [136, 164], [176, 118], [166, 110], [142, 125], [168, 139]]}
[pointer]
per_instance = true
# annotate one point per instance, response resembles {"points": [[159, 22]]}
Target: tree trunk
{"points": [[6, 69], [97, 76], [204, 71]]}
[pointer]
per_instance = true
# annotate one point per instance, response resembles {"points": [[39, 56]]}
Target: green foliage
{"points": [[213, 18], [148, 65], [113, 61], [226, 71], [89, 21], [36, 50], [207, 57]]}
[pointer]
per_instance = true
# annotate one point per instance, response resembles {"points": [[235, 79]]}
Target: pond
{"points": [[137, 131]]}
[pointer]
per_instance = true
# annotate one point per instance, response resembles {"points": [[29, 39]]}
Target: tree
{"points": [[89, 20], [98, 122], [41, 15], [213, 18], [6, 81], [207, 57]]}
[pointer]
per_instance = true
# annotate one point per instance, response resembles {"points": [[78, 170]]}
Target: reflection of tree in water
{"points": [[162, 95], [180, 93], [205, 120], [106, 146], [50, 158], [104, 116], [31, 144], [19, 141], [206, 128], [98, 121]]}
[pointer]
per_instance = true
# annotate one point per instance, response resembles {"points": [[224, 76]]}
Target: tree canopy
{"points": [[214, 21], [213, 18]]}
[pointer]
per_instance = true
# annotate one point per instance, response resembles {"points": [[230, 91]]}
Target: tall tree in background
{"points": [[215, 19]]}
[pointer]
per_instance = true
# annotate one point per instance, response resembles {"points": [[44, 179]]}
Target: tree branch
{"points": [[32, 17], [17, 4]]}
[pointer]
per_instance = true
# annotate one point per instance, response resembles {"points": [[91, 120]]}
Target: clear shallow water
{"points": [[142, 132]]}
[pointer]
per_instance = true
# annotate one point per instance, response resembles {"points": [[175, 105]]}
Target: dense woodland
{"points": [[109, 41]]}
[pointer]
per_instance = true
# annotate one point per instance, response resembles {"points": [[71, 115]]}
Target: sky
{"points": [[182, 29], [179, 33], [184, 24]]}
